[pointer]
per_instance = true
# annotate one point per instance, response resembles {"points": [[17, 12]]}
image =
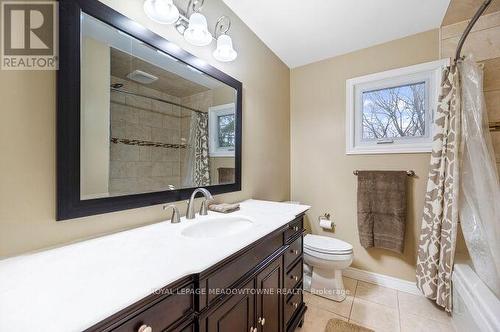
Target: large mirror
{"points": [[151, 121]]}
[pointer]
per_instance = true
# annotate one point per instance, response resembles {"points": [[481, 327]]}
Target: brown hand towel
{"points": [[224, 207], [382, 209]]}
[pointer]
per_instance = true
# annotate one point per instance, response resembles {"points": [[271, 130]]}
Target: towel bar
{"points": [[409, 173]]}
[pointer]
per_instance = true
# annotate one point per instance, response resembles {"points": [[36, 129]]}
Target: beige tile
{"points": [[315, 319], [340, 308], [162, 169], [118, 186], [138, 132], [350, 286], [377, 294], [160, 135], [412, 323], [374, 316], [144, 168], [124, 113], [136, 101], [145, 153], [495, 137], [410, 304], [118, 129], [161, 107], [123, 152]]}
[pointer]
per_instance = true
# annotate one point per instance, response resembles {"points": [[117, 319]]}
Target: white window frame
{"points": [[429, 72], [213, 114]]}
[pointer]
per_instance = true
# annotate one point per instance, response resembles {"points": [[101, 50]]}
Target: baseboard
{"points": [[382, 280]]}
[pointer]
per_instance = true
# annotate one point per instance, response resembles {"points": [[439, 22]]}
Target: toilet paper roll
{"points": [[326, 224]]}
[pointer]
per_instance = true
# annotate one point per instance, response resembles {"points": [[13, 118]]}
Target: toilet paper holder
{"points": [[325, 222], [324, 216]]}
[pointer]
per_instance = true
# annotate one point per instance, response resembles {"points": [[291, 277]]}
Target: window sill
{"points": [[221, 154], [400, 148]]}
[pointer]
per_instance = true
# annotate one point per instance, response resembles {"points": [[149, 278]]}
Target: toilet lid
{"points": [[327, 245]]}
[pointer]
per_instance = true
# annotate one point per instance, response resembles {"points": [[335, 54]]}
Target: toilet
{"points": [[325, 259]]}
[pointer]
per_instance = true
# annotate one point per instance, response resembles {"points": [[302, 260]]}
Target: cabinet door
{"points": [[236, 314], [269, 297]]}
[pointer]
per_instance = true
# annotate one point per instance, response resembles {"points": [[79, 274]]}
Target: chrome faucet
{"points": [[176, 216], [204, 205]]}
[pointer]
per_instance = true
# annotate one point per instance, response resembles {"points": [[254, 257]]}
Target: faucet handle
{"points": [[176, 216], [204, 208]]}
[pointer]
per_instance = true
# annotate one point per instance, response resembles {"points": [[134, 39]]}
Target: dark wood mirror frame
{"points": [[69, 203]]}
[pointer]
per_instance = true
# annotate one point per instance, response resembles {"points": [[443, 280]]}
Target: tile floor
{"points": [[378, 308]]}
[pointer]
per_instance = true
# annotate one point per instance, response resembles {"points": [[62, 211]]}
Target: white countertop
{"points": [[76, 286]]}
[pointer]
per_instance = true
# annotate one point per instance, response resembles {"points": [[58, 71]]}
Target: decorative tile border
{"points": [[147, 143]]}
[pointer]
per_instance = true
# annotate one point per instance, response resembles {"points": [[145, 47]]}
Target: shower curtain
{"points": [[196, 160], [463, 185], [436, 248], [479, 201]]}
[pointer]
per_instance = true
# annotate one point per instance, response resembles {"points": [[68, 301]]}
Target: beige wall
{"points": [[28, 140], [322, 172]]}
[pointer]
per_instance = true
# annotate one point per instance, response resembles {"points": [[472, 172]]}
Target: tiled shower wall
{"points": [[484, 44], [135, 168]]}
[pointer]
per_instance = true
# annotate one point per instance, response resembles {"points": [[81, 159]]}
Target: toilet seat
{"points": [[326, 247], [328, 257]]}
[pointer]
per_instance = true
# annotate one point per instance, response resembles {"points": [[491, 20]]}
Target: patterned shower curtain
{"points": [[436, 248], [197, 163]]}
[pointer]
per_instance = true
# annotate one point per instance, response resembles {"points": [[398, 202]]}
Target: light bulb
{"points": [[225, 51], [197, 32], [161, 11]]}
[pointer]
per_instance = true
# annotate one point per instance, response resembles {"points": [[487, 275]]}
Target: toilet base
{"points": [[328, 284]]}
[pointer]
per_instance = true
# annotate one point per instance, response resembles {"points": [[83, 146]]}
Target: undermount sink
{"points": [[217, 227]]}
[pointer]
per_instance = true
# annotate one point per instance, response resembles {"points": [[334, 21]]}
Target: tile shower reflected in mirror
{"points": [[149, 122]]}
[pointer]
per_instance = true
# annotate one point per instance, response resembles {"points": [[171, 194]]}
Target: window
{"points": [[392, 111], [222, 121]]}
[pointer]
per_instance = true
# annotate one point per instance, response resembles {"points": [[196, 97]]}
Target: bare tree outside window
{"points": [[394, 112], [225, 124]]}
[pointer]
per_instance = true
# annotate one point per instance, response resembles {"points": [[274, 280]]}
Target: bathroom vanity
{"points": [[257, 288], [167, 277]]}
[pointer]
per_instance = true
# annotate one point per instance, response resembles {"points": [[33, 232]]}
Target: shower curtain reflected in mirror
{"points": [[479, 198], [197, 173]]}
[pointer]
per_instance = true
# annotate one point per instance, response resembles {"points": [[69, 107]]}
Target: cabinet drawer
{"points": [[294, 227], [237, 268], [189, 328], [162, 314], [293, 303], [294, 251], [294, 275]]}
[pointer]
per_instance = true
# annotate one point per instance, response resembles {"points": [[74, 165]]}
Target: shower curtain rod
{"points": [[157, 99], [469, 27]]}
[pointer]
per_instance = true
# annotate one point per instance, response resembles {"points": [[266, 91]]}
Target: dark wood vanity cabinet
{"points": [[257, 289], [235, 314], [270, 299]]}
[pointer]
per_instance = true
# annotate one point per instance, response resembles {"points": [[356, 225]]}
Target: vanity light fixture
{"points": [[161, 11], [224, 51], [197, 33], [195, 29]]}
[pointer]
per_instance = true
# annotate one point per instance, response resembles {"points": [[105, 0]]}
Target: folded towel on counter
{"points": [[382, 209], [224, 207]]}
